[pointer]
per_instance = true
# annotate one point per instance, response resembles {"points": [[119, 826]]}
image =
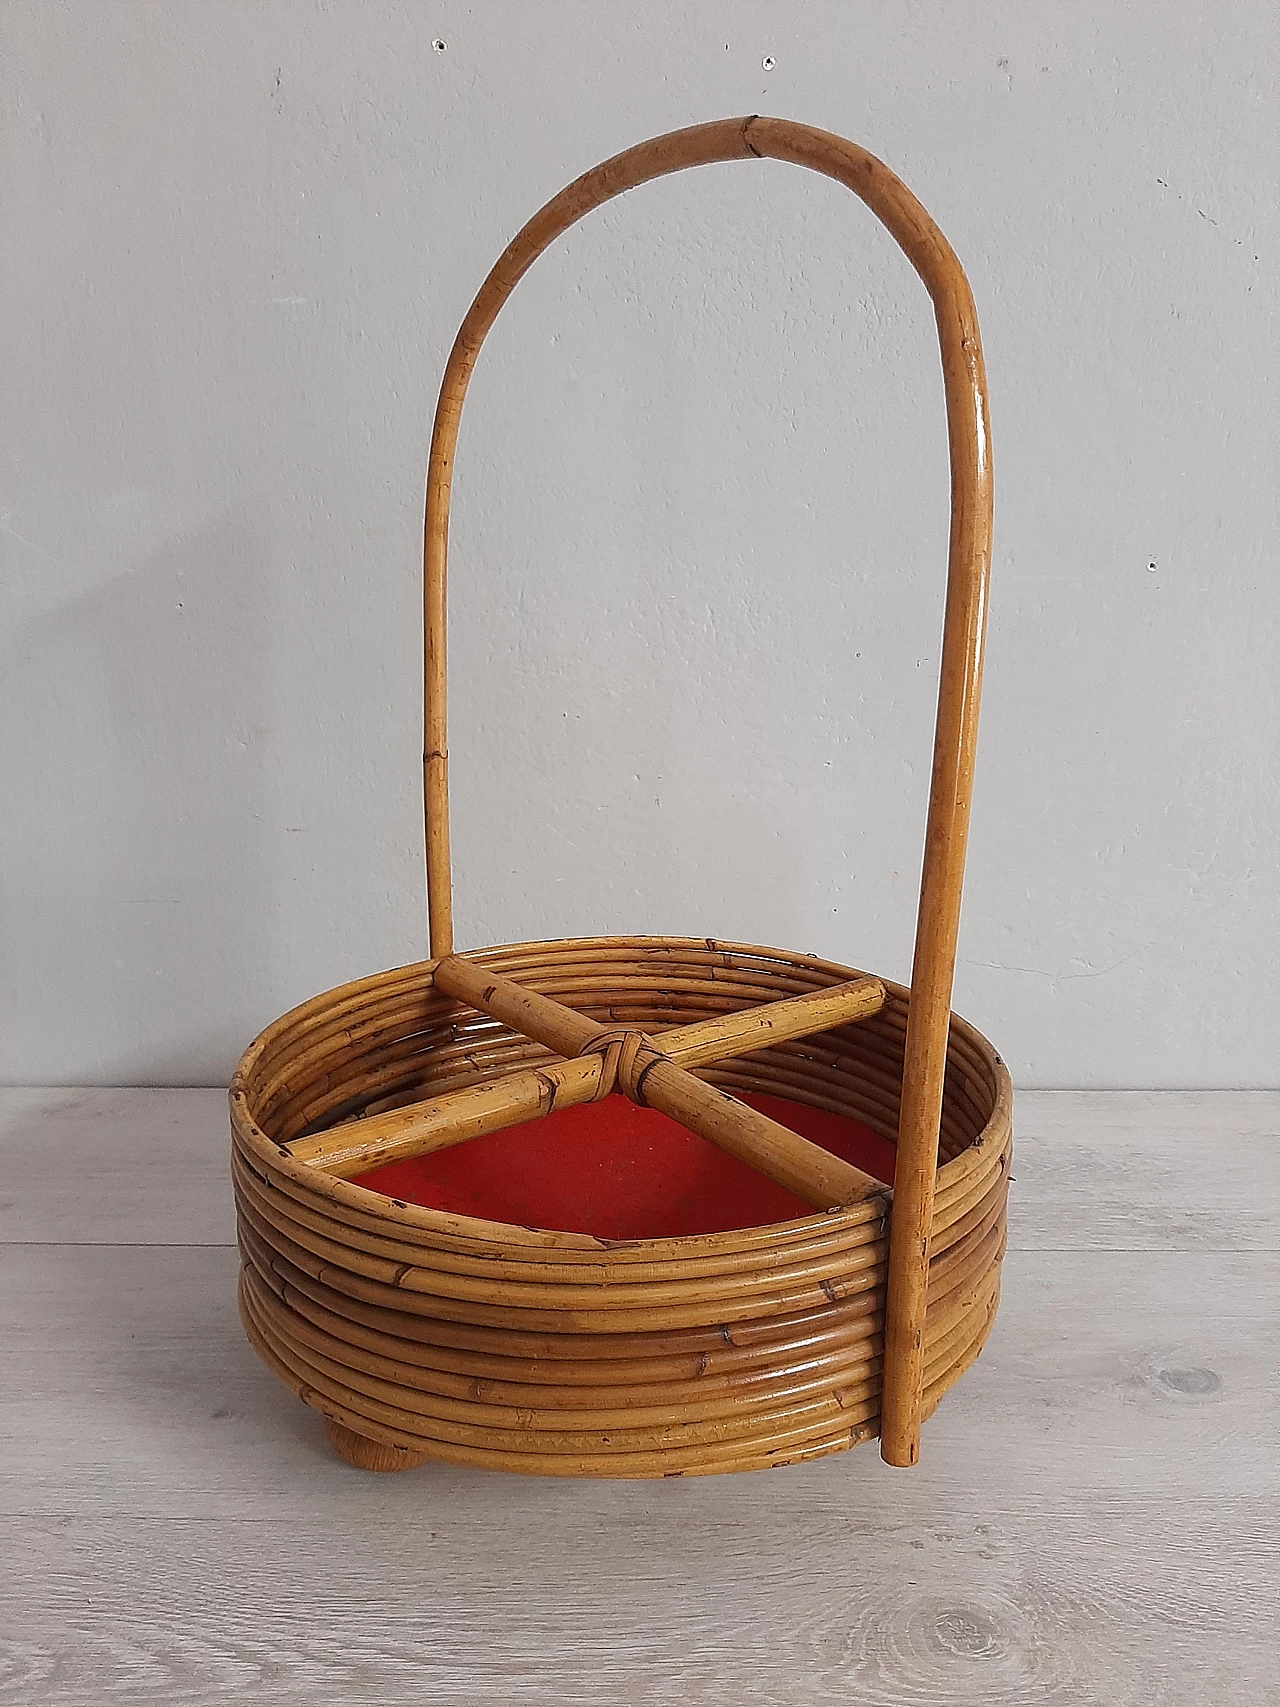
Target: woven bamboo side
{"points": [[449, 1337]]}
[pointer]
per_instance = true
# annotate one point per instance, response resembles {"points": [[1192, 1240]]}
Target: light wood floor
{"points": [[1094, 1520]]}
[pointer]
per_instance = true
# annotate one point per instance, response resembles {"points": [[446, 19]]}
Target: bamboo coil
{"points": [[448, 1337]]}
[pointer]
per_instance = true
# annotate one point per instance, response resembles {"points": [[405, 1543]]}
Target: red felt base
{"points": [[621, 1172]]}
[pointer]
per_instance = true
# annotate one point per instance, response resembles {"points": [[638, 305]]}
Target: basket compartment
{"points": [[620, 1171]]}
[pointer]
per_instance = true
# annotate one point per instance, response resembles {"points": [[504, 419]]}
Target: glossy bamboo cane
{"points": [[955, 739], [438, 1123]]}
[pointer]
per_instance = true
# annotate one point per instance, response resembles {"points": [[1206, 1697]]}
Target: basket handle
{"points": [[960, 681]]}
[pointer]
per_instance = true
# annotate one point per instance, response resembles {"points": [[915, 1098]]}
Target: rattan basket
{"points": [[420, 1332]]}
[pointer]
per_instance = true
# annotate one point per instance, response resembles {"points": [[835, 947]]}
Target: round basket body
{"points": [[440, 1335]]}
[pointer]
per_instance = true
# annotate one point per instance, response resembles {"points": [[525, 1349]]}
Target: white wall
{"points": [[700, 510]]}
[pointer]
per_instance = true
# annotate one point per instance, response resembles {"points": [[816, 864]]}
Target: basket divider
{"points": [[418, 1129], [650, 1077]]}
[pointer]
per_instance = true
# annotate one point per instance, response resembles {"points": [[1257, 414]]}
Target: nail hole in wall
{"points": [[768, 62], [439, 45]]}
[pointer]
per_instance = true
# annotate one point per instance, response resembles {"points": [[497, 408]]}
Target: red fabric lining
{"points": [[621, 1172]]}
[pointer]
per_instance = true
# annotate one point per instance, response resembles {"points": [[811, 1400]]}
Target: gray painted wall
{"points": [[700, 511]]}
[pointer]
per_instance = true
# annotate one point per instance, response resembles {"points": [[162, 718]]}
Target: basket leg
{"points": [[368, 1454]]}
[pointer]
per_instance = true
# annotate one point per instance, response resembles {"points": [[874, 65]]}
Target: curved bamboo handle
{"points": [[955, 738]]}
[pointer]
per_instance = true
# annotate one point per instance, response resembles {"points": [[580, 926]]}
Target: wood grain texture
{"points": [[972, 1607], [78, 1165], [1106, 1170], [177, 1530]]}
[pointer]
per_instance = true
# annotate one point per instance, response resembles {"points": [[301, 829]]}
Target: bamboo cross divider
{"points": [[649, 1073]]}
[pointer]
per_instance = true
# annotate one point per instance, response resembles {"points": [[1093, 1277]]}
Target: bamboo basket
{"points": [[423, 1332]]}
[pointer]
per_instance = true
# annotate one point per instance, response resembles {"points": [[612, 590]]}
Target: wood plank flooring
{"points": [[1094, 1520]]}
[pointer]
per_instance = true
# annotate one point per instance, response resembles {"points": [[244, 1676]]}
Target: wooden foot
{"points": [[368, 1454]]}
